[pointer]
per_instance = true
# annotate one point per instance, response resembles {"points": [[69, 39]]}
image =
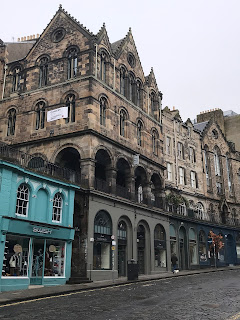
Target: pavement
{"points": [[36, 292]]}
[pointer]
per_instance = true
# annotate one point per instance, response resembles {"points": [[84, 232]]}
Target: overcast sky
{"points": [[192, 45]]}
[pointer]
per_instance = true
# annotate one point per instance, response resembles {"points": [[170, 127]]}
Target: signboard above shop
{"points": [[56, 114]]}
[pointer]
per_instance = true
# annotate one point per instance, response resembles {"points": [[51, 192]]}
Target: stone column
{"points": [[88, 173]]}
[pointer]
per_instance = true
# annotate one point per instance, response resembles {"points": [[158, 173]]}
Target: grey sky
{"points": [[193, 46]]}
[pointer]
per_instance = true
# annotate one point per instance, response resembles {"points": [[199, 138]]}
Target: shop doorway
{"points": [[141, 248], [230, 250], [37, 262], [182, 249], [122, 248]]}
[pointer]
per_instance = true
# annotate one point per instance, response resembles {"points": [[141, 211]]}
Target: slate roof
{"points": [[200, 126], [18, 50]]}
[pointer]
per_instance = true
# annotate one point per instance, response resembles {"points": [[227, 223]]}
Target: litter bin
{"points": [[132, 270]]}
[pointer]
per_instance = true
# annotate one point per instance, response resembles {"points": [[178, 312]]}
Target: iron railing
{"points": [[37, 164], [102, 185], [123, 192]]}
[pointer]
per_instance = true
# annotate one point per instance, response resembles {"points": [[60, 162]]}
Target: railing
{"points": [[37, 164], [123, 192], [102, 185]]}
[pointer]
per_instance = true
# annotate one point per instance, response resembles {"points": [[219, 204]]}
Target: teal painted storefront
{"points": [[35, 241]]}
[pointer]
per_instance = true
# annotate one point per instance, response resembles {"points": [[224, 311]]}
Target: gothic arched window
{"points": [[70, 103], [72, 63], [103, 67], [154, 142], [103, 107], [131, 87], [123, 118], [11, 122], [138, 94], [122, 81], [139, 133], [43, 72], [16, 77], [40, 115]]}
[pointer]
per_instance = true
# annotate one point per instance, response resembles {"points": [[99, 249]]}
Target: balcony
{"points": [[37, 164]]}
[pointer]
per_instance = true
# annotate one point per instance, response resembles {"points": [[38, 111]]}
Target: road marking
{"points": [[64, 295], [236, 317]]}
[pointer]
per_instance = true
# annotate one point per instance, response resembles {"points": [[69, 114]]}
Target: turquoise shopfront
{"points": [[36, 233]]}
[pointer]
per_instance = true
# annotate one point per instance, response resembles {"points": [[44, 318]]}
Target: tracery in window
{"points": [[11, 122], [57, 208], [70, 103], [22, 200], [72, 63], [40, 115]]}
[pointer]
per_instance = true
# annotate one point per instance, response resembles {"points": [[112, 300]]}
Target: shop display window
{"points": [[54, 259], [16, 256]]}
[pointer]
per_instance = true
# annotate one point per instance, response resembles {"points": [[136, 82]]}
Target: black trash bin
{"points": [[132, 270]]}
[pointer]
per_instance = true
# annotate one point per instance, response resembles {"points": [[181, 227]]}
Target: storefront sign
{"points": [[42, 230]]}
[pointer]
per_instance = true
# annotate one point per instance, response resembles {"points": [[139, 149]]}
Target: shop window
{"points": [[72, 63], [40, 115], [70, 104], [102, 241], [238, 245], [11, 122], [202, 246], [192, 246], [16, 256], [22, 200], [54, 259], [103, 107], [160, 247], [173, 239], [57, 208]]}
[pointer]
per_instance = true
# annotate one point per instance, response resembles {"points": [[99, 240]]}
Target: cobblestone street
{"points": [[203, 296]]}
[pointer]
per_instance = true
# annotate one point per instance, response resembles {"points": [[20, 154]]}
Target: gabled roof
{"points": [[18, 50], [200, 126], [116, 44], [102, 36], [151, 79]]}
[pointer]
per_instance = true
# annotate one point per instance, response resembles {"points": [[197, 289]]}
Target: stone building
{"points": [[74, 99]]}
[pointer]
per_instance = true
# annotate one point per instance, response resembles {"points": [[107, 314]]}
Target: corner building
{"points": [[111, 137]]}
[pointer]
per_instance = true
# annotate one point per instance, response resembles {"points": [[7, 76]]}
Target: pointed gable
{"points": [[150, 81], [125, 47], [103, 39], [74, 34]]}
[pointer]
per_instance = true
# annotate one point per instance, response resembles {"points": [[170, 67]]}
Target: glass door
{"points": [[37, 261]]}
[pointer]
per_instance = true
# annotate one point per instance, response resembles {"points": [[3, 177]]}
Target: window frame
{"points": [[22, 201], [12, 117], [59, 208]]}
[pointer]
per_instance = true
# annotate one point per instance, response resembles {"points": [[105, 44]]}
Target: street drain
{"points": [[211, 305]]}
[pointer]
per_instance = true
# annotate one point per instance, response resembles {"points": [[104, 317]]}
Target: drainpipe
{"points": [[175, 149], [96, 46], [4, 80], [114, 74], [147, 100]]}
